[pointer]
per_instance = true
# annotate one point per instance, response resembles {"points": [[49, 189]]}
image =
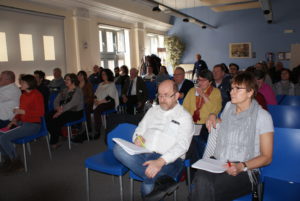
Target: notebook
{"points": [[131, 148], [6, 130], [210, 165]]}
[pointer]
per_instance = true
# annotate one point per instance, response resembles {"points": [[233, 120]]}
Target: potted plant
{"points": [[175, 48]]}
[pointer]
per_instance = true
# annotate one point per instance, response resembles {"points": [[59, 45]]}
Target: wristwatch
{"points": [[245, 169]]}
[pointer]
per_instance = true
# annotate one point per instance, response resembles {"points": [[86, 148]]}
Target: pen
{"points": [[229, 164], [141, 140]]}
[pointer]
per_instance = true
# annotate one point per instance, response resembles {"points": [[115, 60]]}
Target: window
{"points": [[49, 50], [111, 65], [121, 41], [26, 47], [109, 41], [3, 47], [155, 45], [100, 41]]}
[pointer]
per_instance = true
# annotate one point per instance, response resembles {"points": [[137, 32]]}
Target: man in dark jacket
{"points": [[198, 66], [134, 92]]}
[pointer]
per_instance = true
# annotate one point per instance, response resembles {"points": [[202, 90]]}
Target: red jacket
{"points": [[33, 104]]}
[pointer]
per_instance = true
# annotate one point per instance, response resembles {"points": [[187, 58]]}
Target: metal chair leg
{"points": [[69, 136], [25, 159], [48, 145], [121, 187], [87, 131], [28, 148], [87, 184], [175, 195], [189, 178], [131, 189]]}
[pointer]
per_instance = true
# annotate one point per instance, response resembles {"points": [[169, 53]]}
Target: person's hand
{"points": [[154, 166], [12, 123], [181, 95], [139, 141], [19, 111], [57, 113], [234, 168], [212, 121], [59, 109]]}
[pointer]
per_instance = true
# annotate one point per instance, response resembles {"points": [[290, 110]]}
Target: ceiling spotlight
{"points": [[203, 27], [185, 19], [266, 12], [156, 9]]}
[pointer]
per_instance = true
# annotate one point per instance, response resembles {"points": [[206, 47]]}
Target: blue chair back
{"points": [[285, 116], [151, 87], [52, 97], [286, 156], [124, 131], [290, 100], [119, 89]]}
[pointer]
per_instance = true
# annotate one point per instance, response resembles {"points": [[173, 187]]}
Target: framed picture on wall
{"points": [[240, 50]]}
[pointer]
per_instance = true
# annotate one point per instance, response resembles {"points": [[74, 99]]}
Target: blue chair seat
{"points": [[105, 162]]}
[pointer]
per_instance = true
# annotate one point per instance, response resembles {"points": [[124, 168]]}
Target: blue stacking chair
{"points": [[281, 179], [69, 124], [289, 100], [151, 87], [104, 115], [285, 116], [51, 100], [105, 162], [133, 177], [25, 140]]}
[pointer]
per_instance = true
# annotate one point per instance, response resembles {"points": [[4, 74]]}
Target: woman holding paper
{"points": [[27, 122], [243, 140]]}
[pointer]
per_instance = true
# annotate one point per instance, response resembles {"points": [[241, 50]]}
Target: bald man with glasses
{"points": [[166, 130]]}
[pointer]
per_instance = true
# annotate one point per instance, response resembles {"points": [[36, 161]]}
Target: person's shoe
{"points": [[163, 185], [77, 139], [15, 166], [5, 164]]}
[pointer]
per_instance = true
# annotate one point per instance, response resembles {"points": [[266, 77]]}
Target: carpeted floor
{"points": [[63, 177]]}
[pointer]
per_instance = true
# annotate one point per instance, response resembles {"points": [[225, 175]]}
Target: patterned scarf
{"points": [[200, 102]]}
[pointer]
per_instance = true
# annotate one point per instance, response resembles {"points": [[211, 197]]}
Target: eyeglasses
{"points": [[237, 88], [165, 96]]}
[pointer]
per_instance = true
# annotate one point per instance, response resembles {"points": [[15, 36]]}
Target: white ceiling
{"points": [[215, 5]]}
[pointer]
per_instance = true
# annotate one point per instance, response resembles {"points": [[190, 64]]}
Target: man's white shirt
{"points": [[9, 99], [167, 132]]}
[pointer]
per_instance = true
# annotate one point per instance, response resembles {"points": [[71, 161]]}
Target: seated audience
{"points": [[117, 72], [264, 88], [150, 76], [162, 75], [68, 107], [43, 89], [222, 82], [264, 67], [28, 121], [275, 72], [9, 97], [243, 139], [107, 98], [134, 93], [88, 96], [200, 101], [123, 76], [233, 69], [95, 77], [285, 85], [57, 84], [183, 85], [166, 130]]}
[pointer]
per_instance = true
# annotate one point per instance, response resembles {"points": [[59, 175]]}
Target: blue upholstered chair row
{"points": [[285, 116], [288, 100], [25, 140], [281, 178]]}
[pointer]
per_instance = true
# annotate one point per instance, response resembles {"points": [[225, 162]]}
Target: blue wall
{"points": [[239, 26]]}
